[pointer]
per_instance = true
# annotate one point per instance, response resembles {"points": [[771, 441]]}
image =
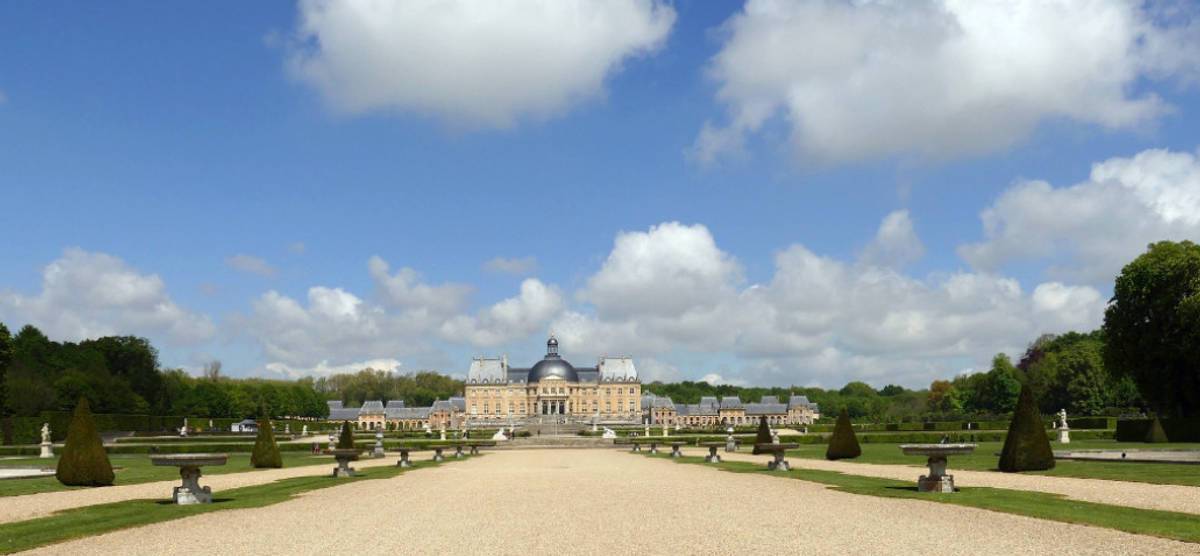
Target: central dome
{"points": [[553, 366]]}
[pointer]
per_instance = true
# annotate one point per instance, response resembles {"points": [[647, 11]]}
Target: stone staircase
{"points": [[552, 441]]}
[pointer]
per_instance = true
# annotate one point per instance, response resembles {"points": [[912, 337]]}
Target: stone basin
{"points": [[777, 462], [937, 480], [189, 470], [943, 450], [191, 460]]}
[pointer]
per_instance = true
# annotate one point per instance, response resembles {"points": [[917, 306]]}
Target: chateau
{"points": [[555, 391]]}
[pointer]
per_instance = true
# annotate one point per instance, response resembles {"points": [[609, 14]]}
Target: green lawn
{"points": [[136, 468], [1171, 525], [985, 459], [95, 520]]}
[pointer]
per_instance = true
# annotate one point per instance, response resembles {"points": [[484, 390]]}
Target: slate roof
{"points": [[371, 407], [395, 404], [731, 402]]}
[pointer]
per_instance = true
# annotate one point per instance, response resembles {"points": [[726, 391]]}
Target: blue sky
{"points": [[807, 209]]}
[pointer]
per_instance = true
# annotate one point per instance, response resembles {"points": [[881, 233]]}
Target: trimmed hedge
{"points": [[266, 452], [843, 444], [83, 461], [1026, 447], [27, 430], [1177, 429]]}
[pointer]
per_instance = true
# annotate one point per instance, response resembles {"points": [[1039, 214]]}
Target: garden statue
{"points": [[287, 428], [183, 429], [609, 433], [47, 447], [1064, 431], [774, 436], [666, 430], [304, 430], [332, 441], [499, 435], [443, 433], [647, 427]]}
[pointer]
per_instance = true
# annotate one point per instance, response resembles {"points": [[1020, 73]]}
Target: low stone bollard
{"points": [[675, 453], [437, 453]]}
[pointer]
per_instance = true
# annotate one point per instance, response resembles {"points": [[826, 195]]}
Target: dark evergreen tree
{"points": [[1026, 447], [83, 461], [266, 452], [763, 436], [1155, 433], [843, 444], [346, 439]]}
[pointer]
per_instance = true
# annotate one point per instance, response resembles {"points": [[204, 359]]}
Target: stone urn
{"points": [[189, 470], [937, 480]]}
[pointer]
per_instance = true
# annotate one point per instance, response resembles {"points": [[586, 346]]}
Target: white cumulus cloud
{"points": [[940, 78], [1089, 230], [511, 319], [88, 294], [479, 64]]}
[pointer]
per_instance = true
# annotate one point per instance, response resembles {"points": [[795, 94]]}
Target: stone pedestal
{"points": [[47, 450], [712, 456], [778, 463], [937, 480], [944, 483], [191, 492], [343, 469], [1064, 436], [378, 452]]}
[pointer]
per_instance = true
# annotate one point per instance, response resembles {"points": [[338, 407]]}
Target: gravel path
{"points": [[605, 502], [29, 506], [1121, 493]]}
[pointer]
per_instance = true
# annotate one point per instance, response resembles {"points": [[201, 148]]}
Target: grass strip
{"points": [[1170, 525], [985, 458], [136, 469], [103, 518]]}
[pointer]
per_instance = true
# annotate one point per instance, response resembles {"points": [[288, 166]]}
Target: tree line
{"points": [[1146, 357]]}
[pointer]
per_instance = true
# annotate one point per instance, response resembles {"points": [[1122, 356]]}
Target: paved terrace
{"points": [[605, 502]]}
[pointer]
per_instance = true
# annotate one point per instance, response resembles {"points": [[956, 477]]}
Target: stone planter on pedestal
{"points": [[189, 470], [937, 480], [344, 456]]}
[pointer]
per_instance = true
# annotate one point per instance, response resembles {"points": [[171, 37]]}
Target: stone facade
{"points": [[553, 389]]}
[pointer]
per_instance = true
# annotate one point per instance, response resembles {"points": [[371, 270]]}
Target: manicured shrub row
{"points": [[1176, 429], [27, 430], [1081, 423]]}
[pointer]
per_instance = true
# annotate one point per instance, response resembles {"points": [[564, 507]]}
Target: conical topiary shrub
{"points": [[763, 436], [843, 444], [1026, 447], [346, 439], [83, 461], [266, 452], [1155, 433]]}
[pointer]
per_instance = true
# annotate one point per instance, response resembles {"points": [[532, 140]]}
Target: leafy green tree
{"points": [[1152, 326], [1026, 447], [5, 360], [892, 390], [944, 397], [1001, 388], [83, 461], [843, 443], [266, 451]]}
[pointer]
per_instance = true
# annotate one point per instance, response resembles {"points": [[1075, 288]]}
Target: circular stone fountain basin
{"points": [[351, 453], [189, 460], [937, 450], [25, 472]]}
